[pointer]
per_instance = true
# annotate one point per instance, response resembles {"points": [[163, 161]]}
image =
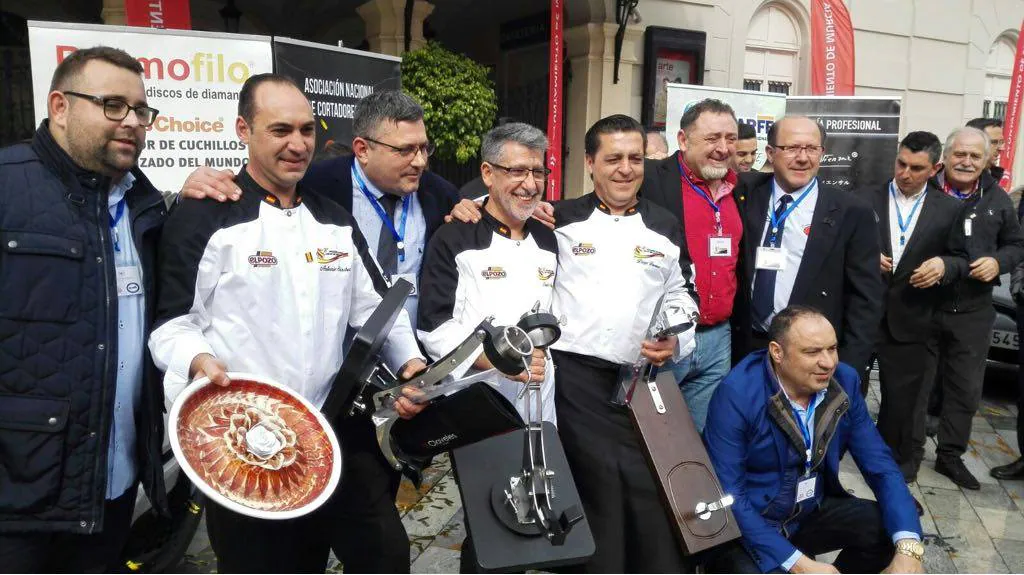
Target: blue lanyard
{"points": [[707, 198], [899, 215], [398, 234], [114, 220], [805, 427], [778, 221]]}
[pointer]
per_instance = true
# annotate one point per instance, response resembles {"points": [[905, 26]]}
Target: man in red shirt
{"points": [[696, 184]]}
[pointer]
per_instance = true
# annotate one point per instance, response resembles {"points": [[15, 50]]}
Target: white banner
{"points": [[759, 109], [193, 78]]}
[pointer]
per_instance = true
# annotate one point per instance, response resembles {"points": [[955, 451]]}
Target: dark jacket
{"points": [[838, 274], [1017, 278], [333, 179], [909, 310], [751, 430], [58, 340], [995, 232]]}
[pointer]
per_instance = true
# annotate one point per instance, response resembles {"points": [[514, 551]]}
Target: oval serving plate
{"points": [[255, 447]]}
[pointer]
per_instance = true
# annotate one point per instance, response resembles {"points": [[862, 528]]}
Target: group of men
{"points": [[115, 302]]}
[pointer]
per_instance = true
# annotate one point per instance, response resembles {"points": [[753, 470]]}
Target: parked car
{"points": [[1003, 351]]}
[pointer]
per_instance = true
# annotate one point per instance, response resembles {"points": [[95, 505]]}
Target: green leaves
{"points": [[457, 96]]}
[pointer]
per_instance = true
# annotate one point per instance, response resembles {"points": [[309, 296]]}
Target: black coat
{"points": [[333, 179], [839, 272], [908, 310], [58, 340]]}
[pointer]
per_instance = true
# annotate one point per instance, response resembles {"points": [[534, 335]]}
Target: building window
{"points": [[998, 72], [772, 52]]}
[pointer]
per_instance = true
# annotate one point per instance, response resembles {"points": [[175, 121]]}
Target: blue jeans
{"points": [[699, 374]]}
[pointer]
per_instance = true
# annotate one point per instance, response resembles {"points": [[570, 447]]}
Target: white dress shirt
{"points": [[906, 206], [794, 240]]}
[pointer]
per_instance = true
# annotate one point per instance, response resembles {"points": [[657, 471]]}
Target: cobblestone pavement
{"points": [[964, 531]]}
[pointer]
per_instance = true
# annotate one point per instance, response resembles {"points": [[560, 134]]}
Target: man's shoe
{"points": [[1013, 470], [954, 468]]}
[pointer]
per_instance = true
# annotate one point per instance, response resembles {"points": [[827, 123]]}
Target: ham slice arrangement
{"points": [[256, 445]]}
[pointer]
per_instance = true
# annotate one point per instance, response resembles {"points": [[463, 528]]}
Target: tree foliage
{"points": [[458, 99]]}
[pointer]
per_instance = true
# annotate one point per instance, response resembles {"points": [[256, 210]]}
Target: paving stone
{"points": [[936, 558], [927, 521], [434, 510], [989, 497], [855, 485], [1012, 553], [452, 535], [981, 423], [437, 560], [993, 449], [965, 539], [948, 504], [1002, 523]]}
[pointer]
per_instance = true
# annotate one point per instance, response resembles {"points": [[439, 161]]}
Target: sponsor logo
{"points": [[262, 260], [641, 253], [443, 440], [325, 256], [494, 273], [197, 67], [582, 249], [807, 230], [544, 274]]}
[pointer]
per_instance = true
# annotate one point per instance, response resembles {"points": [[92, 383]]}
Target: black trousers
{"points": [[360, 522], [848, 523], [629, 522], [72, 553], [964, 339], [906, 371], [1020, 383]]}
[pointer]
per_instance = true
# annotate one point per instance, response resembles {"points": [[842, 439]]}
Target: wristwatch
{"points": [[911, 548]]}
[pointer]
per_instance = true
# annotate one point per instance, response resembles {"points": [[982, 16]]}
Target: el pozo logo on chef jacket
{"points": [[494, 273], [544, 274], [584, 249], [647, 256], [329, 260], [262, 259]]}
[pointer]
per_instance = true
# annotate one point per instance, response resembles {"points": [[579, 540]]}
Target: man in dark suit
{"points": [[805, 243], [385, 184], [915, 221]]}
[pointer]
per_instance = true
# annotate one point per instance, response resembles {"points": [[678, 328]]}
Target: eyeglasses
{"points": [[797, 150], [408, 152], [117, 109], [519, 174]]}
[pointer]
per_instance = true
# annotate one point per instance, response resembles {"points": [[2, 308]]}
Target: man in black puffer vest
{"points": [[80, 399]]}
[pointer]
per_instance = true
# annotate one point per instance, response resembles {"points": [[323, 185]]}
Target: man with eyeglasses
{"points": [[385, 184], [807, 244], [80, 400]]}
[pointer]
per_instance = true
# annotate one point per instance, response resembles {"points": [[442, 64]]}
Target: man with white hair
{"points": [[988, 230]]}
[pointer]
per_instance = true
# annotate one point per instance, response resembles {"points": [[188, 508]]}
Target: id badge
{"points": [[720, 246], [967, 227], [805, 488], [770, 259], [411, 278], [129, 281]]}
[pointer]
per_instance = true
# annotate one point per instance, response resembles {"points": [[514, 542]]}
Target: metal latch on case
{"points": [[703, 510], [659, 405]]}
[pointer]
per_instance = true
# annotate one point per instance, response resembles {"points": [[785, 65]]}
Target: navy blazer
{"points": [[749, 432], [333, 179]]}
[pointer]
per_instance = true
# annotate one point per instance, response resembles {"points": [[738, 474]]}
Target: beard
{"points": [[511, 206], [713, 173], [94, 149]]}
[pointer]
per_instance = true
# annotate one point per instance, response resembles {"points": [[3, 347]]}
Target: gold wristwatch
{"points": [[911, 548]]}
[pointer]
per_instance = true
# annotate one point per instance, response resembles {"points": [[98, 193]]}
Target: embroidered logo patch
{"points": [[262, 260], [641, 253], [582, 249], [544, 274], [325, 256], [494, 273]]}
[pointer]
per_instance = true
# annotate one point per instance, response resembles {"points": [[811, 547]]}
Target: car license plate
{"points": [[1005, 339]]}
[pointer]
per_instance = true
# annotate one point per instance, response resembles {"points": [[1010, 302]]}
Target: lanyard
{"points": [[778, 221], [707, 198], [114, 220], [398, 234], [899, 214], [805, 427]]}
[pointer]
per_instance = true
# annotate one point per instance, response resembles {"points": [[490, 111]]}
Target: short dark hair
{"points": [[783, 321], [247, 95], [924, 142], [747, 132], [69, 69], [773, 131], [982, 123], [709, 105], [391, 106], [611, 125]]}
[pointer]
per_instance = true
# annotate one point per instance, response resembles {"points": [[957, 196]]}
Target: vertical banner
{"points": [[759, 109], [832, 55], [554, 189], [166, 14], [192, 78], [1011, 122], [335, 79], [862, 137]]}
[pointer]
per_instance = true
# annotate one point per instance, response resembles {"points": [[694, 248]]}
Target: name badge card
{"points": [[770, 259], [129, 281], [720, 246], [805, 488]]}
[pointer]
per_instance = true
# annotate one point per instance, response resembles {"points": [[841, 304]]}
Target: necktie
{"points": [[764, 280], [387, 248]]}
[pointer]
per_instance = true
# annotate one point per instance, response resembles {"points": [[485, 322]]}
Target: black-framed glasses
{"points": [[796, 150], [540, 175], [117, 109], [408, 152]]}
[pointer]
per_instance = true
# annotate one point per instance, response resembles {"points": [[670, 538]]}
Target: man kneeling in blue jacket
{"points": [[776, 429]]}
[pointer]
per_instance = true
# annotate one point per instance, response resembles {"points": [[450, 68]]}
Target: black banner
{"points": [[862, 138], [335, 79]]}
